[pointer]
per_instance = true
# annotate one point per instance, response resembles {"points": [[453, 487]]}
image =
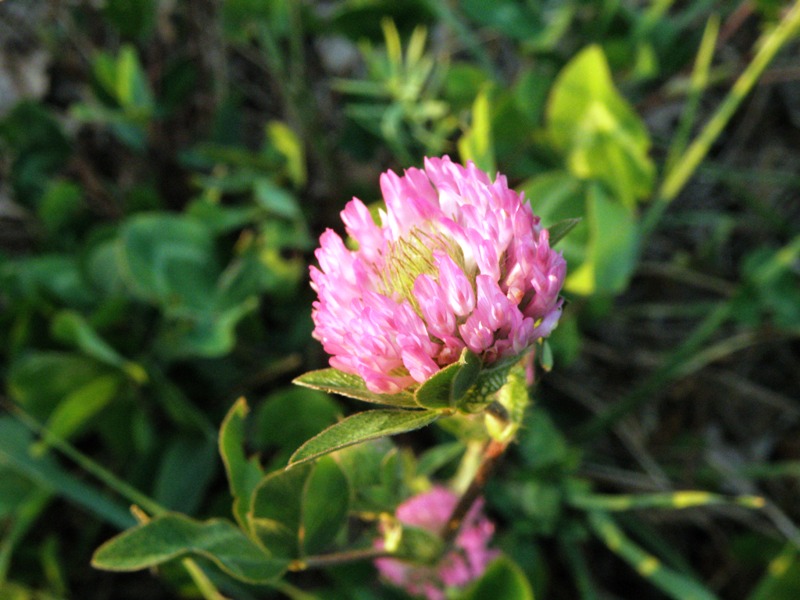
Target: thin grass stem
{"points": [[677, 177]]}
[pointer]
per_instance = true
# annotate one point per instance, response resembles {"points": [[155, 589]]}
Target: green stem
{"points": [[87, 464], [503, 417], [204, 585], [698, 84], [290, 591], [24, 518], [676, 178], [468, 466], [491, 457]]}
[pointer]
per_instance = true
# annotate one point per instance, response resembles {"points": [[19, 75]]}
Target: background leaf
{"points": [[594, 126]]}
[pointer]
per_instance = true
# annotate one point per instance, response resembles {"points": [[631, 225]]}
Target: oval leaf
{"points": [[172, 536], [275, 510], [361, 427], [324, 508]]}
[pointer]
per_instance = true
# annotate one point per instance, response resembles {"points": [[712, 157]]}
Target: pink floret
{"points": [[491, 282]]}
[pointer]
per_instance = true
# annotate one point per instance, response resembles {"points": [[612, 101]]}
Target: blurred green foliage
{"points": [[166, 194]]}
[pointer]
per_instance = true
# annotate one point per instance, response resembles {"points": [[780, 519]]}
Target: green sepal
{"points": [[488, 382], [445, 388], [335, 381]]}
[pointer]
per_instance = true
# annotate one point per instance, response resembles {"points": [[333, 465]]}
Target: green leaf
{"points": [[187, 467], [132, 19], [324, 507], [60, 205], [209, 332], [782, 580], [289, 145], [275, 199], [361, 427], [243, 474], [18, 524], [439, 456], [15, 443], [437, 391], [34, 139], [40, 381], [172, 536], [131, 85], [275, 510], [169, 260], [476, 144], [376, 477], [543, 446], [561, 229], [70, 326], [489, 380], [279, 426], [503, 579], [611, 250], [78, 407], [601, 135], [352, 386], [54, 277], [14, 490]]}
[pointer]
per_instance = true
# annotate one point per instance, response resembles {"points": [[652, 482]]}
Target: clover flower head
{"points": [[457, 261], [465, 562]]}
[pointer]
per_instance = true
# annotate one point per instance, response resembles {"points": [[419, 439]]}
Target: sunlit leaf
{"points": [[361, 427], [352, 386], [600, 134], [476, 144]]}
